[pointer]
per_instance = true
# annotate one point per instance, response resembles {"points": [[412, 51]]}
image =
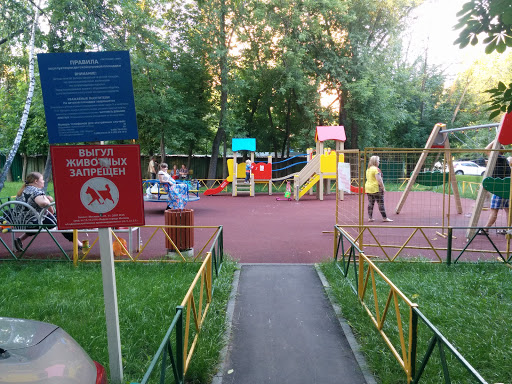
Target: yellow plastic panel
{"points": [[240, 171], [230, 170], [328, 162]]}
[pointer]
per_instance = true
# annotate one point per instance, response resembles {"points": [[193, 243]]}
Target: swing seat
{"points": [[354, 189], [498, 187], [430, 179]]}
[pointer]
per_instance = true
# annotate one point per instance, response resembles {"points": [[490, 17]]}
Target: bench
{"points": [[19, 217], [154, 191]]}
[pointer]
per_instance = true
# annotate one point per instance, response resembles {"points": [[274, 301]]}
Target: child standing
{"points": [[247, 171]]}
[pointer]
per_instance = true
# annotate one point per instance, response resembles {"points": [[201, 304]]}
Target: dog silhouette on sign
{"points": [[99, 195]]}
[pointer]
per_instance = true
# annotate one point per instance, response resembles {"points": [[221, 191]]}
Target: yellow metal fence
{"points": [[140, 250], [393, 314], [177, 348]]}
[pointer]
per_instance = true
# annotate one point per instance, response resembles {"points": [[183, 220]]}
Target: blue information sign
{"points": [[88, 96]]}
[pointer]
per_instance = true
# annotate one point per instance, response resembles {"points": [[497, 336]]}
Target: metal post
{"points": [[449, 247], [180, 362], [111, 311], [413, 342]]}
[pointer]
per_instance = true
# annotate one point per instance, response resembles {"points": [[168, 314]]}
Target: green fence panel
{"points": [[392, 171], [16, 166]]}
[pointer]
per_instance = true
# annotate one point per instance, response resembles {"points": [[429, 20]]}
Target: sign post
{"points": [[88, 96], [94, 188], [111, 311]]}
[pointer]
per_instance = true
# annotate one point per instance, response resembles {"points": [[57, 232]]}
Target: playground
{"points": [[432, 214], [262, 229], [436, 215]]}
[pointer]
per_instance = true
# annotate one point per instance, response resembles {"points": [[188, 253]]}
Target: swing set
{"points": [[438, 139]]}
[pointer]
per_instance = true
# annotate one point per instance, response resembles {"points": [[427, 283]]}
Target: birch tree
{"points": [[28, 102]]}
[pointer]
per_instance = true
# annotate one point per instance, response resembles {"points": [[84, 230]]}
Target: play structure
{"points": [[438, 139], [322, 166], [175, 197], [319, 167], [237, 171]]}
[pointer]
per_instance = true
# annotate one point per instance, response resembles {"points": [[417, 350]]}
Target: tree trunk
{"points": [[457, 108], [423, 85], [287, 125], [223, 61], [162, 149], [47, 171], [225, 158], [354, 133], [28, 103], [342, 114], [24, 168], [212, 169], [189, 157], [272, 129], [254, 109]]}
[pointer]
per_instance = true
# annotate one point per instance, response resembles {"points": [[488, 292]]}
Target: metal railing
{"points": [[34, 230], [380, 238], [370, 286], [172, 359], [136, 256], [216, 238]]}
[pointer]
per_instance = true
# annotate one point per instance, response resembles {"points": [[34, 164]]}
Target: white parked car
{"points": [[468, 168], [42, 353]]}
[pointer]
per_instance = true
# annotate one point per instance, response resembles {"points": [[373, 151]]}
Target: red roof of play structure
{"points": [[335, 132]]}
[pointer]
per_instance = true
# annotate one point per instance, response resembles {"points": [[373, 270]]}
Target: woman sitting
{"points": [[33, 194], [178, 193]]}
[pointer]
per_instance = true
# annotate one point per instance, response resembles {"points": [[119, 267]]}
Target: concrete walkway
{"points": [[284, 330]]}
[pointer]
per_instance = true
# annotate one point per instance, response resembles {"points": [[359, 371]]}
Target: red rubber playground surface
{"points": [[262, 230]]}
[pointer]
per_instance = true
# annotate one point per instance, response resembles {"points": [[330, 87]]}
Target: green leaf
{"points": [[463, 41], [507, 17], [501, 87], [501, 47], [462, 22], [465, 8], [490, 48], [494, 114], [488, 39]]}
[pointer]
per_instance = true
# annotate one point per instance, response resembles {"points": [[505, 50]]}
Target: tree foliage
{"points": [[207, 71], [493, 19]]}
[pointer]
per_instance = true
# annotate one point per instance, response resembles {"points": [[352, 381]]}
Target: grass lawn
{"points": [[11, 188], [465, 193], [148, 294], [470, 304]]}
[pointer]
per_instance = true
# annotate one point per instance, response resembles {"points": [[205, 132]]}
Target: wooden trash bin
{"points": [[182, 237]]}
